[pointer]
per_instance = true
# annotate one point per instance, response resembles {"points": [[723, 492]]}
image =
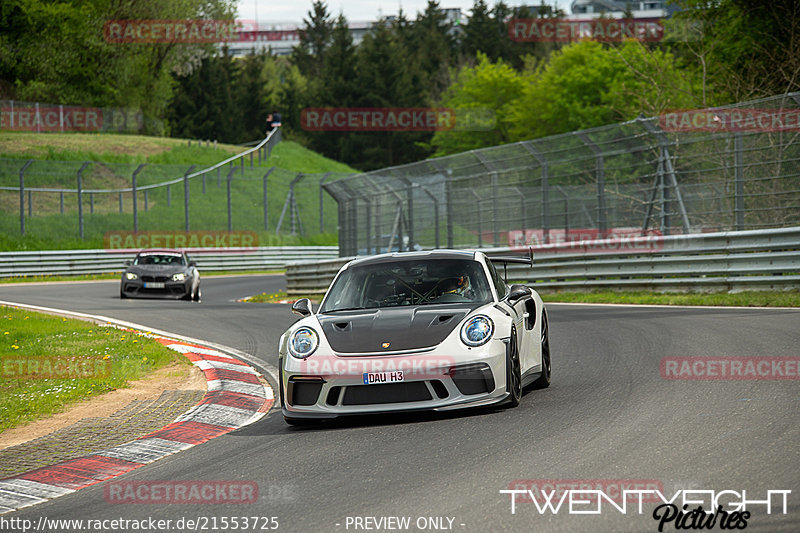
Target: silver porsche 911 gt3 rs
{"points": [[418, 330]]}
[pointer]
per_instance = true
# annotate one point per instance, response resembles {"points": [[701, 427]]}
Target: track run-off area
{"points": [[611, 419]]}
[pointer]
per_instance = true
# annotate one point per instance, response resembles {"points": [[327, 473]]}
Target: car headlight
{"points": [[130, 275], [303, 342], [477, 330], [180, 276]]}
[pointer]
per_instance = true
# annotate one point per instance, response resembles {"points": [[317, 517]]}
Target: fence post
{"points": [[600, 176], [435, 212], [230, 213], [478, 204], [120, 202], [266, 200], [566, 209], [738, 203], [218, 179], [545, 189], [22, 191], [30, 203], [242, 165], [80, 198], [321, 208], [61, 201], [204, 183], [251, 159], [186, 196], [448, 194], [146, 201], [91, 203], [135, 204]]}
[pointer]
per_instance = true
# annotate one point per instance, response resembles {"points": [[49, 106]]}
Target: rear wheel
{"points": [[544, 380], [513, 370]]}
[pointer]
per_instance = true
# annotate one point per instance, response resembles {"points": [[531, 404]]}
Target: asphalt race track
{"points": [[609, 415]]}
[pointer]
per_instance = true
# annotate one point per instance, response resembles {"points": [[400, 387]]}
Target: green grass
{"points": [[29, 338], [740, 299], [113, 167], [278, 297]]}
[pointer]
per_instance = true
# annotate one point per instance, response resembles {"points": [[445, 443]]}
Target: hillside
{"points": [[113, 160]]}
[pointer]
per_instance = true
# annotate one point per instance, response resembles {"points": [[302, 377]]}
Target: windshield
{"points": [[413, 282], [153, 259]]}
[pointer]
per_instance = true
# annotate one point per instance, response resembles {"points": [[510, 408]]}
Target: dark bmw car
{"points": [[161, 274]]}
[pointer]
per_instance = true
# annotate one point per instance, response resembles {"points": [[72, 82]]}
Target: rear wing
{"points": [[512, 259]]}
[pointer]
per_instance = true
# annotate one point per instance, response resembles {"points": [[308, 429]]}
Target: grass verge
{"points": [[116, 275], [279, 297], [36, 350], [739, 299]]}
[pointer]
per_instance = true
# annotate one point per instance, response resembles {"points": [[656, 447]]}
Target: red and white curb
{"points": [[236, 397]]}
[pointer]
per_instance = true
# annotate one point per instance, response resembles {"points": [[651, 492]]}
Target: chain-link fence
{"points": [[64, 200], [730, 168]]}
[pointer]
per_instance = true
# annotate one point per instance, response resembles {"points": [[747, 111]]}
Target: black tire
{"points": [[513, 370], [197, 295], [122, 295], [544, 380]]}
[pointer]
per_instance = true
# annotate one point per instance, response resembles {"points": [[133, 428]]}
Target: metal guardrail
{"points": [[756, 260], [76, 262]]}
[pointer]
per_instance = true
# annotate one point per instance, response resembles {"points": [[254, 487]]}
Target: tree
{"points": [[55, 52], [586, 85], [315, 37], [385, 79], [744, 49], [486, 92]]}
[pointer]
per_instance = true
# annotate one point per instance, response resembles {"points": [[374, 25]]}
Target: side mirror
{"points": [[302, 307], [518, 292], [128, 262]]}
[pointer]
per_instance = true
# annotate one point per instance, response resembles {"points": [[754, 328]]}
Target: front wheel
{"points": [[544, 380], [513, 370]]}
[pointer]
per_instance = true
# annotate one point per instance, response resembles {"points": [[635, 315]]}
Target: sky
{"points": [[294, 11]]}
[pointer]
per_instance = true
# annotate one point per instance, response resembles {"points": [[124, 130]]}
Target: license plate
{"points": [[153, 284], [373, 378]]}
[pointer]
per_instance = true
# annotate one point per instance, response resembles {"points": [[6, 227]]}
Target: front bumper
{"points": [[136, 288], [333, 385]]}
